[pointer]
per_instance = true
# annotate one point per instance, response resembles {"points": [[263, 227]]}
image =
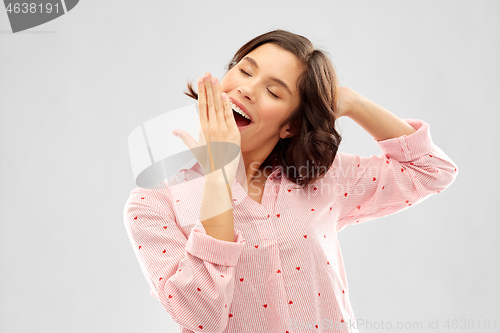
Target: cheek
{"points": [[228, 82]]}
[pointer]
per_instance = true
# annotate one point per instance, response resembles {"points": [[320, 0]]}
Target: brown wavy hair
{"points": [[314, 141]]}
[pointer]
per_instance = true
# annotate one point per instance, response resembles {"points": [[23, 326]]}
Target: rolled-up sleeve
{"points": [[409, 170], [192, 277]]}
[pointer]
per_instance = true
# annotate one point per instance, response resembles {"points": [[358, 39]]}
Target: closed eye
{"points": [[276, 96], [241, 70]]}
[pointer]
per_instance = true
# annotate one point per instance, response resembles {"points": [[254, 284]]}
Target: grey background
{"points": [[73, 89]]}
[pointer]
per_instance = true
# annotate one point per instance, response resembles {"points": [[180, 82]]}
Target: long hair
{"points": [[314, 141]]}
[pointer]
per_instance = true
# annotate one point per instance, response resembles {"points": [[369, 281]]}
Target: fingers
{"points": [[202, 102], [219, 104], [228, 113], [210, 98]]}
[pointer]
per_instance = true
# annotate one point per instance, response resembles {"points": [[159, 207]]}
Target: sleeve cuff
{"points": [[213, 250], [408, 147]]}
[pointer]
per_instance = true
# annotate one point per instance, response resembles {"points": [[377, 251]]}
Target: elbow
{"points": [[443, 177], [199, 316]]}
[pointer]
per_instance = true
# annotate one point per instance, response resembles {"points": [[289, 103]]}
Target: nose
{"points": [[247, 92]]}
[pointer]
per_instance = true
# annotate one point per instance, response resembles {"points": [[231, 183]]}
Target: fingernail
{"points": [[224, 95], [200, 80], [214, 80], [207, 75]]}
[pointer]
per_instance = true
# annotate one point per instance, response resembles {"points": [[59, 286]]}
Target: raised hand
{"points": [[220, 139]]}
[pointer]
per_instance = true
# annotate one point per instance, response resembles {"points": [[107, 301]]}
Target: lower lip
{"points": [[243, 127]]}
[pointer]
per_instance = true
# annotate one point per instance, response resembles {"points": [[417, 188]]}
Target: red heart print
{"points": [[411, 163], [135, 218], [345, 194], [160, 279], [305, 236], [230, 315], [402, 169], [140, 246], [409, 204], [201, 327], [234, 199], [225, 305], [142, 197], [256, 246], [298, 268], [374, 179], [265, 305], [343, 292], [278, 215], [438, 191], [222, 275], [312, 209], [359, 207], [455, 169], [290, 302], [289, 190], [165, 227], [316, 326], [169, 296], [185, 178], [330, 208], [180, 269], [358, 165], [383, 187], [328, 263], [268, 215], [407, 201], [241, 279], [430, 155], [315, 188], [164, 251], [386, 161], [319, 294], [177, 200], [278, 271], [342, 320], [198, 289], [324, 236]]}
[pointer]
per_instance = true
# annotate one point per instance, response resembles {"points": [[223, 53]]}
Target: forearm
{"points": [[376, 120], [216, 213]]}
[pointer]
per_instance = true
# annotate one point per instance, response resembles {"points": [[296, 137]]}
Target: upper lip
{"points": [[243, 108]]}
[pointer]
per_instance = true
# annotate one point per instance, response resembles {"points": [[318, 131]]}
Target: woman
{"points": [[269, 260]]}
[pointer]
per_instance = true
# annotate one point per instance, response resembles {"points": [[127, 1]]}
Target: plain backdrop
{"points": [[73, 89]]}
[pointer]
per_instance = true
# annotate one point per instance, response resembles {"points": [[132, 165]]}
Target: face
{"points": [[264, 84]]}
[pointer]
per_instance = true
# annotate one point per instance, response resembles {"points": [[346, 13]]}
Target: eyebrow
{"points": [[278, 81]]}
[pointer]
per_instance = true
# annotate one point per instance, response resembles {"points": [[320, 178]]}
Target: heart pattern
{"points": [[283, 224]]}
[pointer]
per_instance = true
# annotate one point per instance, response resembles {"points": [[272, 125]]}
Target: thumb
{"points": [[185, 137]]}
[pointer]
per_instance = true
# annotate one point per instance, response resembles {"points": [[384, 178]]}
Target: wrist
{"points": [[355, 102]]}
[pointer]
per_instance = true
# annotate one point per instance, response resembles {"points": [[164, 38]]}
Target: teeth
{"points": [[238, 110]]}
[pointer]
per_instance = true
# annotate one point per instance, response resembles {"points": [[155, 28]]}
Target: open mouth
{"points": [[241, 119]]}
